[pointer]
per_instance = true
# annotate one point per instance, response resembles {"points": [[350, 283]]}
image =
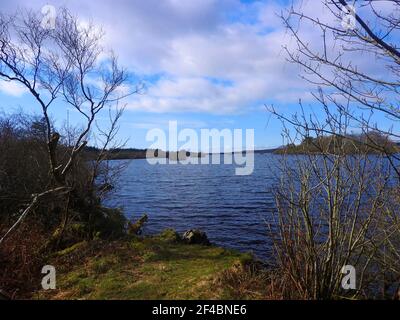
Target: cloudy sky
{"points": [[205, 63]]}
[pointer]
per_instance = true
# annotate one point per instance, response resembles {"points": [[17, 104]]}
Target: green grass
{"points": [[150, 268]]}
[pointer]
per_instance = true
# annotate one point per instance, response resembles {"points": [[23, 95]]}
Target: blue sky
{"points": [[205, 64]]}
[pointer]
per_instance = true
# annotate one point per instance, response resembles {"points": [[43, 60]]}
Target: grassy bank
{"points": [[154, 268]]}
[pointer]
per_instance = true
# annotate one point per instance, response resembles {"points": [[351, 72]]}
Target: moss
{"points": [[149, 268], [246, 259], [138, 246], [77, 228], [170, 235], [109, 223], [71, 249], [103, 264]]}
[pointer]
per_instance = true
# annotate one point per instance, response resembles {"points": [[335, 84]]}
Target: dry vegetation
{"points": [[338, 201]]}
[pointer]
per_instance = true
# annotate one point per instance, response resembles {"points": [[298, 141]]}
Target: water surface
{"points": [[231, 209]]}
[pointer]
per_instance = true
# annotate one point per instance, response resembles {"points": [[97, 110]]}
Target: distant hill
{"points": [[352, 144], [259, 151], [133, 153], [373, 142]]}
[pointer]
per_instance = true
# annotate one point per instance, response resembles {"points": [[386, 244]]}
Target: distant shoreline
{"points": [[137, 154], [140, 154]]}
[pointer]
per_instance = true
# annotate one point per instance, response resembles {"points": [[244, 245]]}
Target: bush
{"points": [[56, 222], [109, 223], [21, 260]]}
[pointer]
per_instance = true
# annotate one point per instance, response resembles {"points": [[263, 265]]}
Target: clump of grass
{"points": [[71, 249], [103, 264], [244, 281], [170, 235]]}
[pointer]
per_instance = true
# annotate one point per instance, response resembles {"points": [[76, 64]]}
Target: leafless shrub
{"points": [[337, 207], [329, 211], [21, 260]]}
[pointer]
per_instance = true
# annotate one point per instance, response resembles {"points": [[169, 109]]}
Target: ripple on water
{"points": [[231, 209]]}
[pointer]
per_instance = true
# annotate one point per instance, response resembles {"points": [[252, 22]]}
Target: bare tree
{"points": [[61, 64], [356, 67]]}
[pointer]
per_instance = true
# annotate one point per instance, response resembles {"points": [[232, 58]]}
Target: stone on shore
{"points": [[195, 236]]}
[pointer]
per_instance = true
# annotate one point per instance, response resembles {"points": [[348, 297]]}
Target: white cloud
{"points": [[194, 43], [12, 88], [151, 123]]}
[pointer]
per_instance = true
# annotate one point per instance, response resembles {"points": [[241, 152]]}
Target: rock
{"points": [[195, 236]]}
